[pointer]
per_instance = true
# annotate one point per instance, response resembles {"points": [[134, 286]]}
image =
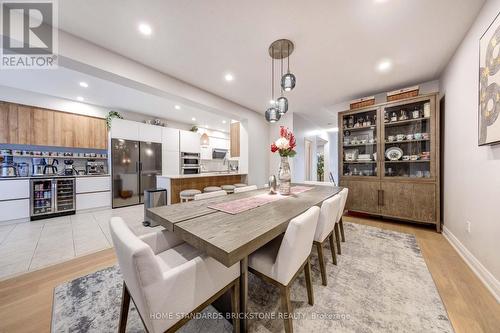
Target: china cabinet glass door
{"points": [[407, 140], [359, 146]]}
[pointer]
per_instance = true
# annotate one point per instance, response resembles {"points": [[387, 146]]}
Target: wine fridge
{"points": [[52, 197]]}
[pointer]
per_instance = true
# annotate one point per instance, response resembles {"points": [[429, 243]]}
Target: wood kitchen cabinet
{"points": [[21, 124], [389, 159], [234, 134], [363, 196], [16, 123], [43, 127]]}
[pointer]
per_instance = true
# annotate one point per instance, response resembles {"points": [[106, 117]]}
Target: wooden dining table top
{"points": [[229, 238]]}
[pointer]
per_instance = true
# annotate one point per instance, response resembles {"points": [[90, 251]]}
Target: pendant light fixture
{"points": [[272, 113], [204, 140], [282, 102], [288, 80], [280, 49]]}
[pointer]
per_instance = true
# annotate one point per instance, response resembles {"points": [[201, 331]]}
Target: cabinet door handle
{"points": [[380, 197]]}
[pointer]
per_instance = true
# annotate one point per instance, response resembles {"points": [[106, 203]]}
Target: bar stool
{"points": [[228, 188], [209, 189], [188, 195], [240, 185]]}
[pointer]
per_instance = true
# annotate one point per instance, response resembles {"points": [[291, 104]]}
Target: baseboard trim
{"points": [[489, 281]]}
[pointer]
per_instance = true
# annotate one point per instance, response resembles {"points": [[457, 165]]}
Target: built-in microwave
{"points": [[190, 163], [219, 154]]}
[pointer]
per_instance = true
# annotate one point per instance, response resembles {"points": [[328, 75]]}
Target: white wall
{"points": [[471, 173]]}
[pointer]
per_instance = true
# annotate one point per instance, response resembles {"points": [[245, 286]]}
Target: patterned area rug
{"points": [[381, 284]]}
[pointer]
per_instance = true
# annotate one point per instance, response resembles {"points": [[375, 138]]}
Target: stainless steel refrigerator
{"points": [[135, 165]]}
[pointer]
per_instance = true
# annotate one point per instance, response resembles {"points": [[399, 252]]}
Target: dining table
{"points": [[231, 237]]}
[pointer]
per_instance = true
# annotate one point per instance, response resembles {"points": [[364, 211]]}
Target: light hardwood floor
{"points": [[26, 301]]}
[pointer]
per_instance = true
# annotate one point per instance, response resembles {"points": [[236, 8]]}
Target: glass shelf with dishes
{"points": [[407, 140], [359, 154]]}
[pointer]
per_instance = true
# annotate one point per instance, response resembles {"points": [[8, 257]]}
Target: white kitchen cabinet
{"points": [[170, 139], [150, 133], [170, 162], [125, 129], [190, 142], [14, 209], [93, 184], [93, 200], [219, 143], [14, 189]]}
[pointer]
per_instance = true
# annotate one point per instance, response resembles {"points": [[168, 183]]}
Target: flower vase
{"points": [[284, 176]]}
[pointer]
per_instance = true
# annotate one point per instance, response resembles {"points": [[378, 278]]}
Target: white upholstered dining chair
{"points": [[245, 189], [324, 231], [344, 193], [209, 195], [337, 229], [281, 260], [166, 277]]}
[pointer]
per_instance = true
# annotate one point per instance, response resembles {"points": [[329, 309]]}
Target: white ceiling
{"points": [[338, 43], [64, 83]]}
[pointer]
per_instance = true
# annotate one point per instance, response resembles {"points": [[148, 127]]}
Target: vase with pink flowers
{"points": [[285, 146]]}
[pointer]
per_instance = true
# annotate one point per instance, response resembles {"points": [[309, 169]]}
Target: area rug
{"points": [[381, 284]]}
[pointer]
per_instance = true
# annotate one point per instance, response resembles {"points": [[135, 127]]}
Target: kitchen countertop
{"points": [[204, 174], [53, 176]]}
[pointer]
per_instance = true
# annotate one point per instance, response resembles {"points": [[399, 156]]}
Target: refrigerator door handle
{"points": [[54, 196]]}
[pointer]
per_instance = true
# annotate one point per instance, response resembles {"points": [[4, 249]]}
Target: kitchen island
{"points": [[177, 183]]}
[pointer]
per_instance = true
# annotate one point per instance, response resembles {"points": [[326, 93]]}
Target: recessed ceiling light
{"points": [[224, 121], [84, 84], [177, 107], [229, 77], [193, 119], [384, 65], [145, 29], [380, 1], [80, 99]]}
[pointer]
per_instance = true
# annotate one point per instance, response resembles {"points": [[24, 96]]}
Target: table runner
{"points": [[241, 205]]}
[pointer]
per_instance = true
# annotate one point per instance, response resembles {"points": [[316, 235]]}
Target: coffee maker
{"points": [[38, 166], [50, 166], [69, 170]]}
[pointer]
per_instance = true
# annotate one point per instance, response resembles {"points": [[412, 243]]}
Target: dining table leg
{"points": [[243, 293]]}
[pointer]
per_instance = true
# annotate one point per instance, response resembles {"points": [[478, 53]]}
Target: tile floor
{"points": [[28, 246]]}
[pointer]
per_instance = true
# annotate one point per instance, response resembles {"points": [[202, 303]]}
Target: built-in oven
{"points": [[219, 154], [190, 163]]}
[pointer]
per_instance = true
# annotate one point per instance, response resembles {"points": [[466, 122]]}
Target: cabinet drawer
{"points": [[93, 200], [14, 189], [14, 209], [93, 184]]}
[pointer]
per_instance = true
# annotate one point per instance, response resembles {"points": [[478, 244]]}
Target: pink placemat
{"points": [[241, 205]]}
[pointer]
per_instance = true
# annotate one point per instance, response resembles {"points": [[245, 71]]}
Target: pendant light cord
{"points": [[281, 76], [272, 77], [288, 57]]}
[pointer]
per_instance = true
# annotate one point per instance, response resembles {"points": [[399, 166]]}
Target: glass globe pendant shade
{"points": [[288, 82], [272, 115], [282, 103]]}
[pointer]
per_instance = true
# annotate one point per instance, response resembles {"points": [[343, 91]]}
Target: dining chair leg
{"points": [[235, 305], [321, 260], [243, 292], [341, 223], [286, 308], [337, 238], [307, 272], [332, 248], [122, 324]]}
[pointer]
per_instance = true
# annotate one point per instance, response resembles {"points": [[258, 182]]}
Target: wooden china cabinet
{"points": [[389, 159]]}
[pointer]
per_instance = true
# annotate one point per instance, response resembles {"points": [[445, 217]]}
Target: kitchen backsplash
{"points": [[217, 165]]}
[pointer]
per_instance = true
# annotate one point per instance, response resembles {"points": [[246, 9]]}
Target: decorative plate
{"points": [[394, 153]]}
